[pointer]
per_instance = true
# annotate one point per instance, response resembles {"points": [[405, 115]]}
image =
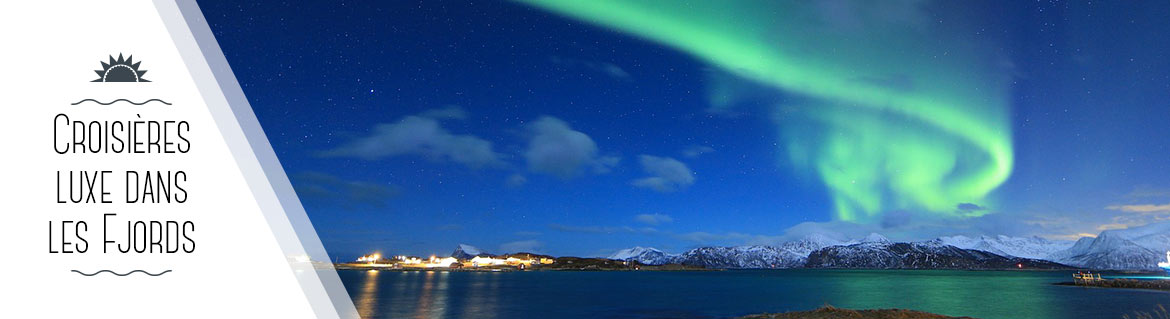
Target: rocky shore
{"points": [[1121, 283], [830, 312]]}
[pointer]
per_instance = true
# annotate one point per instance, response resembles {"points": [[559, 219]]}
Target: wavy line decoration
{"points": [[122, 275], [121, 100]]}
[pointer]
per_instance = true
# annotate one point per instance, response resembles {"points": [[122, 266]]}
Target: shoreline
{"points": [[830, 312], [346, 266], [513, 269], [1155, 284]]}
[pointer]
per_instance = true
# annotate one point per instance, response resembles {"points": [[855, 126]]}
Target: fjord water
{"points": [[719, 294]]}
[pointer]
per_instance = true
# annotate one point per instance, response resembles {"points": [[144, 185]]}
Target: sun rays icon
{"points": [[120, 70]]}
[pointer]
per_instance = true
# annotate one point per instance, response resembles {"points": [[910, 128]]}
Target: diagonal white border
{"points": [[262, 170]]}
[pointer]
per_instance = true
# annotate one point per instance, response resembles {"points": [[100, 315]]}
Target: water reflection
{"points": [[367, 301], [432, 301], [421, 294], [482, 299], [946, 292]]}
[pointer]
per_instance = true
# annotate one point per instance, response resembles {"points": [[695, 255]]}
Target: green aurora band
{"points": [[894, 105]]}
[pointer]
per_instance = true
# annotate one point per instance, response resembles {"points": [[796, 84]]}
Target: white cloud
{"points": [[1143, 208], [666, 174], [615, 71], [653, 219], [421, 135], [556, 149], [1134, 215]]}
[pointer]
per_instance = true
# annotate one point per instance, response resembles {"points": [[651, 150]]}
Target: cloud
{"points": [[321, 186], [1111, 226], [968, 209], [1071, 237], [696, 150], [421, 135], [653, 219], [527, 233], [615, 71], [666, 174], [1133, 215], [1143, 208], [527, 246], [556, 149]]}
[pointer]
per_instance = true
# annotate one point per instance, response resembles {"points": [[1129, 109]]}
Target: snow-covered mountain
{"points": [[874, 253], [1026, 247], [465, 251], [755, 256], [1108, 251], [1138, 248], [1154, 237], [645, 255], [810, 243], [1135, 248], [786, 255], [875, 238]]}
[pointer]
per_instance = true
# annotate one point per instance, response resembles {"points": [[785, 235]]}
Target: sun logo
{"points": [[120, 70]]}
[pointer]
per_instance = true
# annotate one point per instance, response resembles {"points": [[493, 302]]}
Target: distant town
{"points": [[519, 261], [469, 258]]}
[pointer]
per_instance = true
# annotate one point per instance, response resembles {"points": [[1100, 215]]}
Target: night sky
{"points": [[584, 127]]}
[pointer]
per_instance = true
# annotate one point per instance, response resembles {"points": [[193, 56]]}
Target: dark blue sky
{"points": [[410, 127]]}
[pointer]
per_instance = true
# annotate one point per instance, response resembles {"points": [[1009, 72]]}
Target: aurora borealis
{"points": [[585, 127], [905, 115]]}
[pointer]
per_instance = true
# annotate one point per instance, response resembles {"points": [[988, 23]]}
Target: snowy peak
{"points": [[470, 249], [1122, 249], [1109, 251], [1126, 249], [1026, 247], [820, 240], [645, 255], [1154, 237], [875, 238], [465, 251], [917, 256], [628, 253], [809, 243], [789, 255]]}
